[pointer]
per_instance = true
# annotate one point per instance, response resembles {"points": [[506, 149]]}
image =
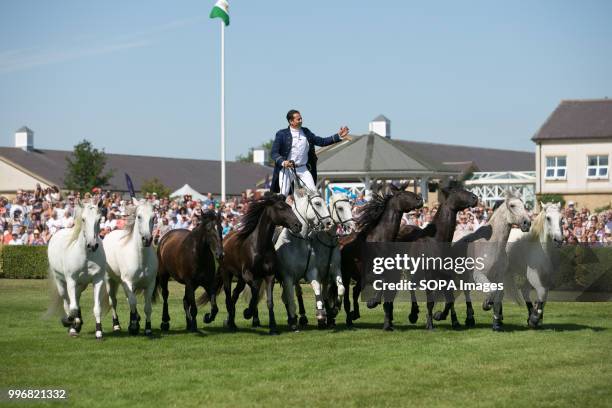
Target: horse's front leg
{"points": [[112, 286], [498, 315], [191, 310], [414, 308], [537, 314], [269, 281], [320, 309], [98, 287], [289, 301], [469, 310], [134, 326], [74, 313], [148, 307], [356, 292], [303, 321]]}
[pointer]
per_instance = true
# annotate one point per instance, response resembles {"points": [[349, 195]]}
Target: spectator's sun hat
{"points": [[570, 203]]}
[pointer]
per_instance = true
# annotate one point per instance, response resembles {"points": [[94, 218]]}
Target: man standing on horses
{"points": [[293, 147]]}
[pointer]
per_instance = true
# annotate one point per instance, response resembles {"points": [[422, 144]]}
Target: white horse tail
{"points": [[56, 303]]}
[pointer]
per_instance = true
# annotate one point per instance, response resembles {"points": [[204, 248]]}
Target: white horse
{"points": [[132, 261], [327, 259], [488, 244], [76, 259], [532, 256], [296, 259]]}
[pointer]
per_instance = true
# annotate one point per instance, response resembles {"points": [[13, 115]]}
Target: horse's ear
{"points": [[403, 186], [135, 201], [445, 191], [100, 204]]}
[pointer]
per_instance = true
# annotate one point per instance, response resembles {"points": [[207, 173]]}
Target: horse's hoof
{"points": [[148, 332], [533, 322], [230, 326], [303, 321], [133, 329], [256, 322], [355, 315], [99, 338], [456, 325], [486, 305], [331, 324], [413, 317], [208, 318], [388, 327], [116, 328], [470, 322], [293, 328], [372, 303], [273, 331], [497, 326], [438, 316], [247, 313], [165, 326], [321, 324], [429, 326], [67, 321], [73, 333]]}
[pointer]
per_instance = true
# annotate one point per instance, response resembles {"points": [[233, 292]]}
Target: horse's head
{"points": [[213, 233], [516, 212], [311, 208], [144, 220], [459, 199], [342, 212], [281, 213], [405, 201], [552, 222], [89, 217]]}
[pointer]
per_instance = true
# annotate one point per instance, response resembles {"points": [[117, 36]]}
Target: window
{"points": [[597, 167], [556, 167]]}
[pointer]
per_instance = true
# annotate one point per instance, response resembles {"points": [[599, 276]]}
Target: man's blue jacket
{"points": [[281, 151]]}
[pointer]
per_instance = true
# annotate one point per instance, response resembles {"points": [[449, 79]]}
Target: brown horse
{"points": [[189, 258], [440, 230], [379, 221], [250, 256]]}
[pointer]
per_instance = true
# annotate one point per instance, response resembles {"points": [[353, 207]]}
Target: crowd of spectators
{"points": [[32, 217]]}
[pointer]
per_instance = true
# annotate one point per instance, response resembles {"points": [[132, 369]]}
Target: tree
{"points": [[154, 185], [85, 168], [248, 158]]}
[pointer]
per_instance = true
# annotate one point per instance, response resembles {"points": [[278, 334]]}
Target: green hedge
{"points": [[23, 262]]}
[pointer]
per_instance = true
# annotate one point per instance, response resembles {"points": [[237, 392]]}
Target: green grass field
{"points": [[568, 363]]}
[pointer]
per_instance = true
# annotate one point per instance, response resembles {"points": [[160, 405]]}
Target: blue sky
{"points": [[143, 77]]}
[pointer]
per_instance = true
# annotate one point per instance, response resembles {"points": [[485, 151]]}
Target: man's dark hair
{"points": [[290, 114]]}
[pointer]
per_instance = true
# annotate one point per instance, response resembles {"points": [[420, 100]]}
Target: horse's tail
{"points": [[56, 303]]}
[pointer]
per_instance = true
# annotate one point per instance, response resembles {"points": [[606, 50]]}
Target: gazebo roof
{"points": [[376, 156]]}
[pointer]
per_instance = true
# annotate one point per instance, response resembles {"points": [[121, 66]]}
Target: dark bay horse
{"points": [[249, 255], [378, 221], [440, 230], [189, 258]]}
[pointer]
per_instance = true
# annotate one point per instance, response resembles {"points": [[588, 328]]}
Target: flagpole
{"points": [[222, 111]]}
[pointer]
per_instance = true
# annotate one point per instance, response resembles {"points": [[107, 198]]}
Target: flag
{"points": [[130, 186], [221, 10]]}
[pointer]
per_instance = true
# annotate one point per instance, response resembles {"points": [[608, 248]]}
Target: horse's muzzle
{"points": [[296, 228], [525, 225], [93, 247], [147, 241]]}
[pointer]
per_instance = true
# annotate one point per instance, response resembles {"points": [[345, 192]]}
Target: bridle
{"points": [[342, 222], [310, 199]]}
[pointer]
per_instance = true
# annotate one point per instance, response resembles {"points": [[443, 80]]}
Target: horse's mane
{"points": [[130, 220], [537, 225], [255, 208], [78, 224], [371, 212]]}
